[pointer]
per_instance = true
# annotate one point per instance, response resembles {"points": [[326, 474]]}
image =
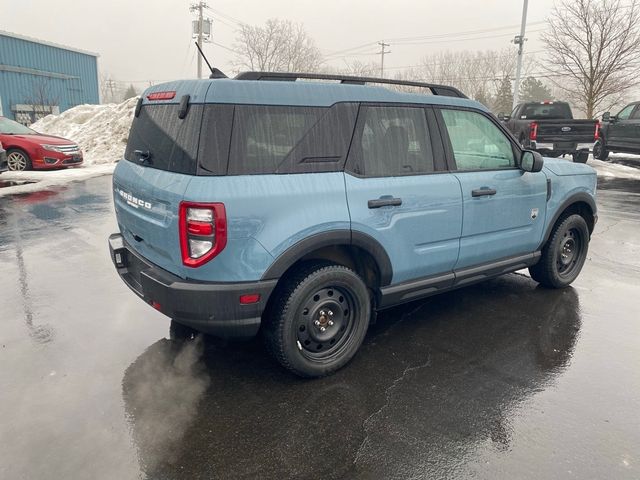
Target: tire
{"points": [[564, 253], [581, 157], [17, 160], [318, 319], [599, 150]]}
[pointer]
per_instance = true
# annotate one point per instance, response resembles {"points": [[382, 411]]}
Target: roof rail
{"points": [[444, 90]]}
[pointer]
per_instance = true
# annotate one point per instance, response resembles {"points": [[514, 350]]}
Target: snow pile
{"points": [[100, 130]]}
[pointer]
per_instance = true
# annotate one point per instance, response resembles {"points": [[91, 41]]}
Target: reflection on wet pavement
{"points": [[499, 380], [428, 380]]}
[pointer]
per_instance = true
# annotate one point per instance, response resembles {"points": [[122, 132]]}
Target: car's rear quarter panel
{"points": [[267, 214]]}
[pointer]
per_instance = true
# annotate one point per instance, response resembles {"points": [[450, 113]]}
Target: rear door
{"points": [[159, 162], [504, 207], [398, 191]]}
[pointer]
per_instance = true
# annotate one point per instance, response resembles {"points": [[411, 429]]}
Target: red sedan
{"points": [[27, 149]]}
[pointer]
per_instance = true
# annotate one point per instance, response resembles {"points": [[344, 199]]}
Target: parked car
{"points": [[619, 133], [298, 208], [549, 128], [3, 159], [28, 149]]}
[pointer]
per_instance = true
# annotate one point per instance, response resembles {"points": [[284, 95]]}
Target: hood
{"points": [[565, 167], [45, 139]]}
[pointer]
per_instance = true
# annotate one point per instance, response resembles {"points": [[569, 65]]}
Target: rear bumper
{"points": [[212, 308], [561, 148]]}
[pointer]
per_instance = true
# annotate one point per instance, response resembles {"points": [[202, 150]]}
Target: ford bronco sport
{"points": [[298, 208]]}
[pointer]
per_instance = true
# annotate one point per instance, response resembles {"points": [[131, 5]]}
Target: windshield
{"points": [[9, 127]]}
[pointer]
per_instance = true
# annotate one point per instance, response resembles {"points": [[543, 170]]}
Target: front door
{"points": [[503, 207], [621, 131], [396, 195]]}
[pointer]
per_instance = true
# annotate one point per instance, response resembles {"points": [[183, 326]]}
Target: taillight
{"points": [[533, 131], [203, 232], [596, 135]]}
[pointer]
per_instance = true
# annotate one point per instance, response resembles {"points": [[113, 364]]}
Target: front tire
{"points": [[581, 157], [599, 150], [318, 319], [18, 161], [564, 254]]}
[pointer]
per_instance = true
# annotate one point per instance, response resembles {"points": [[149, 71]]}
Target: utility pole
{"points": [[198, 30], [382, 54], [519, 40]]}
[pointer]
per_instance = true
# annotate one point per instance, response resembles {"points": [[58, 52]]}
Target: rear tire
{"points": [[581, 157], [564, 253], [18, 161], [318, 319], [600, 150]]}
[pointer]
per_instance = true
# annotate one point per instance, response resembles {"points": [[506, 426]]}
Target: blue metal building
{"points": [[38, 77]]}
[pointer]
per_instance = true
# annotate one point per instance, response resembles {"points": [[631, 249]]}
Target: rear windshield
{"points": [[160, 139], [551, 111], [226, 139]]}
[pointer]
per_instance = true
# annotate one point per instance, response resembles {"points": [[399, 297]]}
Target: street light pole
{"points": [[519, 40]]}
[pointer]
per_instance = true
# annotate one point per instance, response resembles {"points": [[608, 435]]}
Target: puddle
{"points": [[13, 183]]}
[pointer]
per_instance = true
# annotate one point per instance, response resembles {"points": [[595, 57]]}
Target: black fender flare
{"points": [[580, 197], [325, 239]]}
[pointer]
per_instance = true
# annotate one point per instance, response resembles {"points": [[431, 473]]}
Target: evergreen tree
{"points": [[504, 97], [533, 90], [130, 93]]}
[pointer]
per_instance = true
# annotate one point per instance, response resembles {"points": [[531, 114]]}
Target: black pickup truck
{"points": [[549, 128], [619, 133]]}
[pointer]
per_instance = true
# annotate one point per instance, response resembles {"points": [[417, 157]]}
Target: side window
{"points": [[264, 135], [477, 142], [636, 113], [625, 113], [393, 141]]}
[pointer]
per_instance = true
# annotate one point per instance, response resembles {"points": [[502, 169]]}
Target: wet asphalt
{"points": [[500, 380]]}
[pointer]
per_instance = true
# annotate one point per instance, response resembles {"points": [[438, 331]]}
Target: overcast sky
{"points": [[150, 40]]}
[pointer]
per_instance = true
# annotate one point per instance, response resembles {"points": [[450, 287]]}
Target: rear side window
{"points": [[549, 111], [170, 143], [391, 141], [264, 135]]}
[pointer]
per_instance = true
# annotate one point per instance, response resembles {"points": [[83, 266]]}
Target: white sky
{"points": [[150, 40]]}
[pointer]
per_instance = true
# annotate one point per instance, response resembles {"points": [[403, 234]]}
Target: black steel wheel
{"points": [[318, 319], [17, 160], [600, 150], [564, 254]]}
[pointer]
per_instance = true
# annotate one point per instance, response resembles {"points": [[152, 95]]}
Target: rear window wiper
{"points": [[143, 156]]}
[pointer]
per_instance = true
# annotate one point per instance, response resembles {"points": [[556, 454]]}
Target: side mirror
{"points": [[503, 118], [531, 161], [606, 117]]}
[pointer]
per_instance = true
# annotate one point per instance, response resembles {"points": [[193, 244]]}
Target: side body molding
{"points": [[327, 239]]}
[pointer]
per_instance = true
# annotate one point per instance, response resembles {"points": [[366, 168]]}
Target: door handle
{"points": [[386, 201], [480, 192]]}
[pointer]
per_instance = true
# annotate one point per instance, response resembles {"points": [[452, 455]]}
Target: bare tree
{"points": [[278, 46], [594, 51], [480, 75], [41, 98]]}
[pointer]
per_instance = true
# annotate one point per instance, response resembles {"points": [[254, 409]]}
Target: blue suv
{"points": [[298, 205]]}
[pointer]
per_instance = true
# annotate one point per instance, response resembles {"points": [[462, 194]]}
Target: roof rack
{"points": [[443, 90]]}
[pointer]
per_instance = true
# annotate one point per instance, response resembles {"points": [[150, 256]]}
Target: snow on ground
{"points": [[615, 170], [41, 180], [100, 130]]}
